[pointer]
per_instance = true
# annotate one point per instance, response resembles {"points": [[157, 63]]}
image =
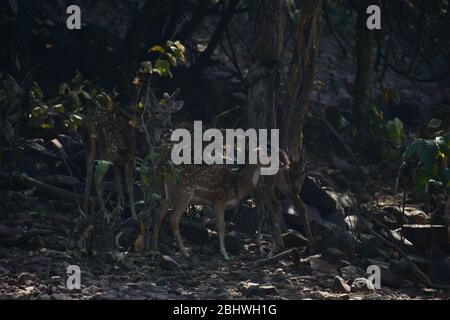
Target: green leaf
{"points": [[434, 124], [59, 108], [146, 67], [157, 48], [394, 130], [101, 167], [171, 58], [162, 68]]}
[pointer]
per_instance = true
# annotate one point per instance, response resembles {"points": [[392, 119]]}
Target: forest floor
{"points": [[37, 270]]}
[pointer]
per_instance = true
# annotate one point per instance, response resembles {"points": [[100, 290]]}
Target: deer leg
{"points": [[159, 216], [118, 185], [277, 220], [180, 204], [220, 223], [300, 207], [129, 175], [89, 151], [260, 215], [99, 189]]}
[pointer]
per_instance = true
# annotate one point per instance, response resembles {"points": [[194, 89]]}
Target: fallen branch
{"points": [[24, 181], [422, 277], [282, 255]]}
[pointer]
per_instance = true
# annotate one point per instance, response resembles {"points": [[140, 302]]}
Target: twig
{"points": [[276, 258]]}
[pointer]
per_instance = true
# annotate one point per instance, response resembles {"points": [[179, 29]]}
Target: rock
{"points": [[194, 232], [368, 245], [294, 218], [440, 271], [60, 296], [249, 288], [294, 239], [269, 290], [340, 285], [362, 285], [322, 266], [424, 236], [26, 278], [331, 235], [389, 278], [334, 255], [168, 263], [354, 223], [415, 216], [313, 194], [342, 165], [335, 217], [351, 272], [233, 243]]}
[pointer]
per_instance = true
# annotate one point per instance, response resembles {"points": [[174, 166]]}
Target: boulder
{"points": [[362, 285], [294, 239], [440, 271], [340, 285], [194, 232], [313, 194], [168, 263], [424, 236]]}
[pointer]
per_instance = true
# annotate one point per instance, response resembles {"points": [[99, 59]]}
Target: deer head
{"points": [[162, 113]]}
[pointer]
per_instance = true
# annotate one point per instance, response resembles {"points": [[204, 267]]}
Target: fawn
{"points": [[114, 135], [282, 182], [215, 185]]}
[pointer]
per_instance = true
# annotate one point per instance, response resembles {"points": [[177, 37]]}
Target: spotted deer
{"points": [[215, 185], [281, 182], [111, 136]]}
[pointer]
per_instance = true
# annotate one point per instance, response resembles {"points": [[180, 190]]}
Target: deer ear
{"points": [[176, 106], [175, 94]]}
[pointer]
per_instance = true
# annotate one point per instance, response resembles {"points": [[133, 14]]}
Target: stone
{"points": [[334, 255], [362, 285], [425, 236], [354, 223], [269, 290], [249, 288], [340, 285], [27, 278], [194, 232], [332, 235], [294, 239], [415, 216], [323, 266], [440, 271], [313, 194], [351, 272], [232, 243], [168, 263]]}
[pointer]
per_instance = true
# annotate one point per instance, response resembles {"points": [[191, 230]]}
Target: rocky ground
{"points": [[35, 266]]}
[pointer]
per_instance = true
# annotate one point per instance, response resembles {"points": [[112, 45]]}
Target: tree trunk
{"points": [[21, 40], [299, 83], [363, 79], [267, 23]]}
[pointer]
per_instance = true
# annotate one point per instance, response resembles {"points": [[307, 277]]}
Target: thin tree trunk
{"points": [[267, 23], [21, 40], [216, 37], [299, 83], [364, 73]]}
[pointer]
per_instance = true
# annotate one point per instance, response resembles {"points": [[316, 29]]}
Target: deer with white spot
{"points": [[111, 136]]}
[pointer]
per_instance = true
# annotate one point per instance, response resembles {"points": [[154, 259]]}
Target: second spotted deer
{"points": [[215, 185]]}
